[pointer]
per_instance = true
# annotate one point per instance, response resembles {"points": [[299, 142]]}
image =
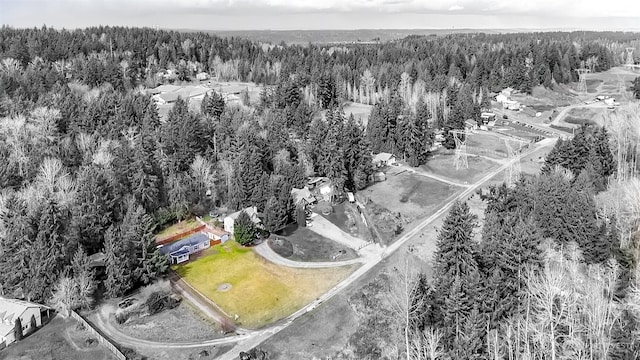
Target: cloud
{"points": [[323, 13]]}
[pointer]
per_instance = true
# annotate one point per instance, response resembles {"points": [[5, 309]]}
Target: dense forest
{"points": [[87, 165]]}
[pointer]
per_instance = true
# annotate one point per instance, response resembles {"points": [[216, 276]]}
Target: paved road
{"points": [[266, 252], [373, 256], [326, 228], [102, 322]]}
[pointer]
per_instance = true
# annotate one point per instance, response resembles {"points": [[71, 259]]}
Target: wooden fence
{"points": [[179, 235], [103, 340]]}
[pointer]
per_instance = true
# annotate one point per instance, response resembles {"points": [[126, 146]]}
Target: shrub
{"points": [[159, 301]]}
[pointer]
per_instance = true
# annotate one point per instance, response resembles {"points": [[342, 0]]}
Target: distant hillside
{"points": [[338, 36]]}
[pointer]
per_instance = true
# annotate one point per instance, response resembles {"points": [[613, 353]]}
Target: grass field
{"points": [[261, 292], [409, 194], [442, 165], [486, 144], [177, 228], [359, 111], [182, 323], [56, 340]]}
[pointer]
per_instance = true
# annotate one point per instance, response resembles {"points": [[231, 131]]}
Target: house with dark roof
{"points": [[181, 250], [30, 315]]}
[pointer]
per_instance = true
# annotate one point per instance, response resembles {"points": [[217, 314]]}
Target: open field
{"points": [[302, 244], [411, 195], [359, 111], [182, 323], [586, 116], [441, 164], [60, 339], [482, 143], [260, 292]]}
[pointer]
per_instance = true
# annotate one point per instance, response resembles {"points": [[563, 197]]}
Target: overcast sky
{"points": [[325, 14]]}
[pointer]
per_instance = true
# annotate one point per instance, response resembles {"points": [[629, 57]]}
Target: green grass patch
{"points": [[261, 292], [178, 228]]}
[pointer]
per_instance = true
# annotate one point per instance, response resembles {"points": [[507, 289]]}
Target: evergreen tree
{"points": [[213, 105], [119, 277], [244, 229], [456, 269]]}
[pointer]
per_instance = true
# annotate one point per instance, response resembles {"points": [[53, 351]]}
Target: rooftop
{"points": [[180, 244], [382, 157], [251, 211], [10, 309]]}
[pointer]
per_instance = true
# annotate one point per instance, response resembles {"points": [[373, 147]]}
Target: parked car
{"points": [[126, 302]]}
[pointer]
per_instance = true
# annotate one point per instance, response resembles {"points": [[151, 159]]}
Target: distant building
{"points": [[321, 188], [30, 315], [181, 250], [511, 105], [507, 92], [229, 220], [167, 94], [487, 117], [384, 159], [302, 196], [202, 76], [470, 124]]}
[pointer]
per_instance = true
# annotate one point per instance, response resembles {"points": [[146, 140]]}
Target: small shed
{"points": [[379, 176], [471, 124]]}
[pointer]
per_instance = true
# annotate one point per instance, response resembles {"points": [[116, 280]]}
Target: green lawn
{"points": [[261, 292], [177, 228]]}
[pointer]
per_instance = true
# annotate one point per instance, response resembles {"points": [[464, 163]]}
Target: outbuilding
{"points": [[229, 220], [30, 314], [181, 250], [384, 159]]}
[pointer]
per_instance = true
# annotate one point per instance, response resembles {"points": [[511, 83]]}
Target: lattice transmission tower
{"points": [[512, 172], [460, 158], [630, 56], [622, 87], [582, 79]]}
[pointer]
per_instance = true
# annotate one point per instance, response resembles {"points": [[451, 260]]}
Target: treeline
{"points": [[130, 56]]}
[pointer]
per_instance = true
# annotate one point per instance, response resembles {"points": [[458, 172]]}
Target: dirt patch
{"points": [[182, 323], [422, 195]]}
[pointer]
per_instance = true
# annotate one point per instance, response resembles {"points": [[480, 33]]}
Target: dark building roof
{"points": [[180, 244]]}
